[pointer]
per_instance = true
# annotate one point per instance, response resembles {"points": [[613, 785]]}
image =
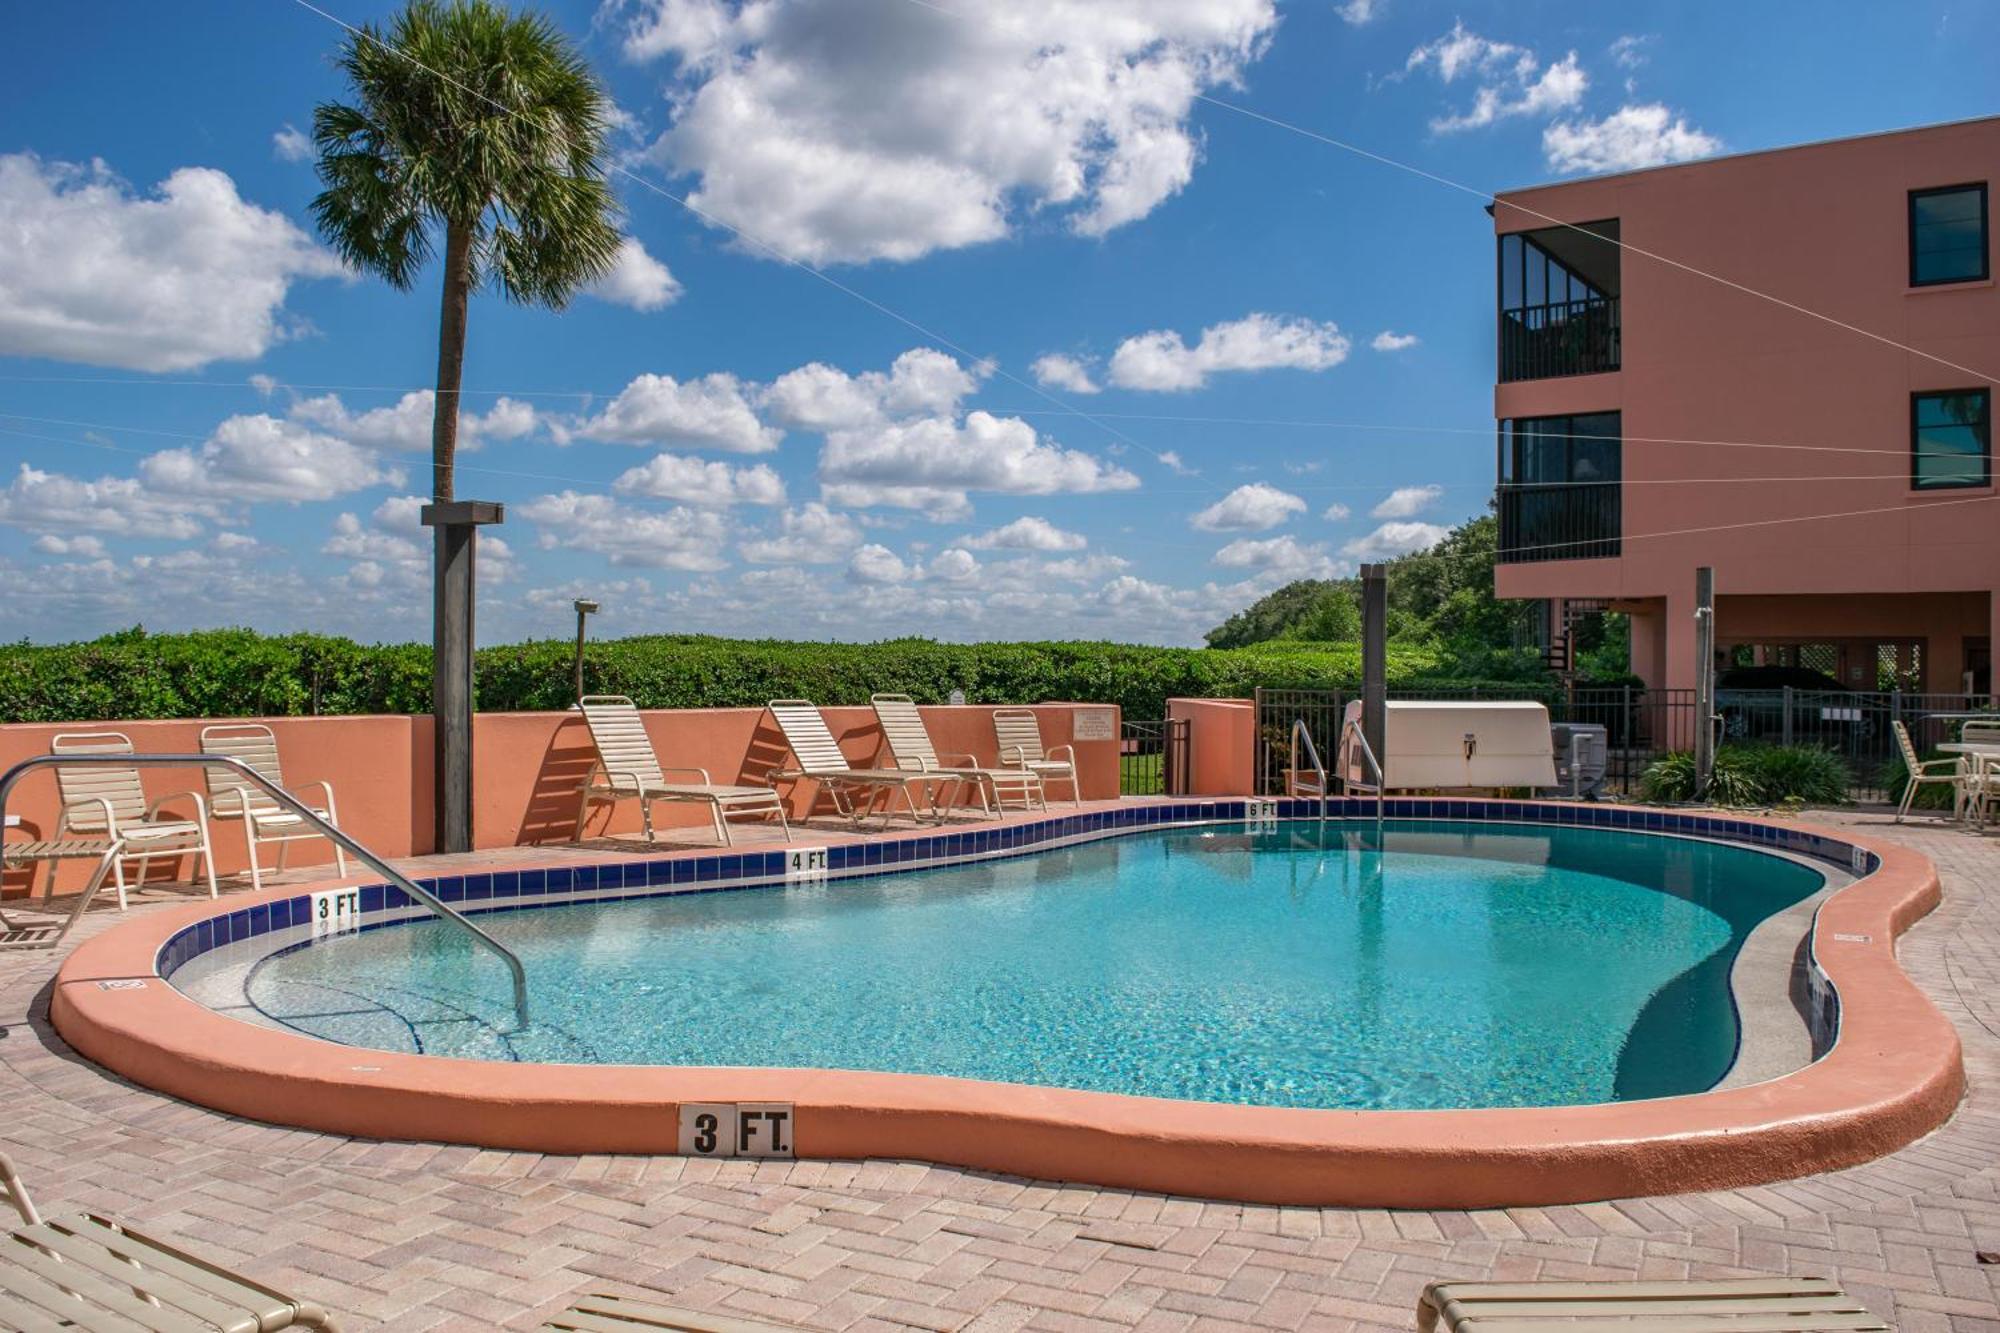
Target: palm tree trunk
{"points": [[452, 587]]}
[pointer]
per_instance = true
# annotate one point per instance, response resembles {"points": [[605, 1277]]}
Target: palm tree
{"points": [[482, 131]]}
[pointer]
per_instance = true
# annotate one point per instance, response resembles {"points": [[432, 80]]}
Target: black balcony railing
{"points": [[1567, 522], [1539, 342]]}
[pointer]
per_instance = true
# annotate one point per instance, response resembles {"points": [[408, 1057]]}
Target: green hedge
{"points": [[235, 673]]}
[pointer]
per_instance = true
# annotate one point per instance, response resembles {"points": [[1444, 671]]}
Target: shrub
{"points": [[1752, 775]]}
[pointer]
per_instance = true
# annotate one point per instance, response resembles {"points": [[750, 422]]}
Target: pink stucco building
{"points": [[1653, 420]]}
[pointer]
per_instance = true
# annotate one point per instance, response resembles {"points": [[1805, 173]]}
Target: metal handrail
{"points": [[297, 807], [1301, 732], [1351, 733]]}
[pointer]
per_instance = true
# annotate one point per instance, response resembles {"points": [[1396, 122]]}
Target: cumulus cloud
{"points": [[1285, 556], [713, 484], [712, 412], [1359, 12], [1406, 501], [1057, 371], [1512, 80], [1387, 341], [405, 426], [680, 538], [1335, 512], [1161, 360], [260, 457], [115, 506], [83, 547], [877, 564], [920, 382], [930, 463], [1629, 51], [190, 274], [291, 145], [637, 280], [809, 535], [1250, 508], [837, 132], [1028, 533], [1394, 539], [1629, 138]]}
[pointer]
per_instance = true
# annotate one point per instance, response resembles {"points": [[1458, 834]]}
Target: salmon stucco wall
{"points": [[528, 768], [1222, 745]]}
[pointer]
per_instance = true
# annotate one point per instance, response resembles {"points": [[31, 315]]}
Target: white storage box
{"points": [[1457, 745]]}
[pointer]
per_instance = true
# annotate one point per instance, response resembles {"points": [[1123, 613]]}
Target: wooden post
{"points": [[1704, 679], [456, 524], [1375, 659]]}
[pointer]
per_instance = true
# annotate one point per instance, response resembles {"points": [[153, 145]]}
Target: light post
{"points": [[584, 609]]}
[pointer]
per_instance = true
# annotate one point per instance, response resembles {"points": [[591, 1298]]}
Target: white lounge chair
{"points": [[264, 820], [48, 932], [1746, 1305], [1019, 734], [107, 801], [1948, 772], [1978, 775], [627, 769], [910, 748], [821, 760]]}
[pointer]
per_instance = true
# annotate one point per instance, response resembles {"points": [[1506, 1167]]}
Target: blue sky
{"points": [[207, 422]]}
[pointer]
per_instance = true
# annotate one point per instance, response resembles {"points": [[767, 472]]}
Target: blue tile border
{"points": [[512, 891]]}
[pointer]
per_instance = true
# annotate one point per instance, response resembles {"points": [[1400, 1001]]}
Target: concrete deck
{"points": [[413, 1237]]}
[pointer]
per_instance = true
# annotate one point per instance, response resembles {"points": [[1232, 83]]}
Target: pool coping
{"points": [[1894, 1074]]}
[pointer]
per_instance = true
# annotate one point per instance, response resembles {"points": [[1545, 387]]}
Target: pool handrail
{"points": [[322, 827], [1301, 732], [1352, 734]]}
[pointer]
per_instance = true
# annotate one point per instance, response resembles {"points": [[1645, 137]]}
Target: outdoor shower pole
{"points": [[1704, 679], [456, 524], [584, 607], [1375, 658]]}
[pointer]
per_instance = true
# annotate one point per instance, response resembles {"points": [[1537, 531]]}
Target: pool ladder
{"points": [[1351, 736], [451, 916]]}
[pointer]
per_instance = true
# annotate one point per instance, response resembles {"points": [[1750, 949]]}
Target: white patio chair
{"points": [[1948, 772], [910, 747], [1979, 774], [1019, 734], [820, 759], [108, 801], [264, 819], [627, 769]]}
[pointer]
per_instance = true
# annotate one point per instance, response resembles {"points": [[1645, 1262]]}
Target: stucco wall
{"points": [[1222, 745]]}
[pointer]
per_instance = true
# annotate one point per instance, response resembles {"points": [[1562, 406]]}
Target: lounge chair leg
{"points": [[117, 877], [250, 847], [784, 824], [646, 817], [207, 854], [339, 859], [721, 823], [582, 814]]}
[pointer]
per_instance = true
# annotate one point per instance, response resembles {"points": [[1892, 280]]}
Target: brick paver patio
{"points": [[413, 1237]]}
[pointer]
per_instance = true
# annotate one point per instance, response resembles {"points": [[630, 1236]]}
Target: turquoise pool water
{"points": [[1456, 965]]}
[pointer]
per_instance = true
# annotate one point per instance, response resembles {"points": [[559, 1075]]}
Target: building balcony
{"points": [[1559, 338], [1570, 521]]}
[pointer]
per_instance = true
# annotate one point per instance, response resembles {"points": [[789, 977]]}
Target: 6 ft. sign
{"points": [[736, 1129]]}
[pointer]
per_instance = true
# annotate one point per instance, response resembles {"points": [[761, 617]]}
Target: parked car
{"points": [[1751, 701]]}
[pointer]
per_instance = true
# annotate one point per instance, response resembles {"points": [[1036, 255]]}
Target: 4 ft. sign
{"points": [[736, 1129]]}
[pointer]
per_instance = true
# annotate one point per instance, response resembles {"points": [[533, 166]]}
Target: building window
{"points": [[1559, 496], [1951, 439], [1558, 290], [1948, 235]]}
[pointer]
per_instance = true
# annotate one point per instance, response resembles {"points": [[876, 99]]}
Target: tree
{"points": [[482, 131]]}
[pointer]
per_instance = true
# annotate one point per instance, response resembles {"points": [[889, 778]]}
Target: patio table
{"points": [[1985, 755]]}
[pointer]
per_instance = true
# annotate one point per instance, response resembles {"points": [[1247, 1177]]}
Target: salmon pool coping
{"points": [[1894, 1075]]}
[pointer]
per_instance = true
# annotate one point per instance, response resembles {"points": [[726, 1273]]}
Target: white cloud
{"points": [[809, 535], [259, 457], [680, 538], [1629, 138], [939, 506], [1284, 556], [1250, 508], [954, 565], [1512, 79], [109, 506], [390, 555], [191, 274], [1172, 462], [1359, 12], [1336, 511], [1056, 371], [84, 546], [265, 385], [839, 132], [921, 382], [1160, 360], [405, 426], [637, 280], [713, 484], [1386, 341], [712, 412], [877, 564], [1393, 539], [930, 463], [291, 145], [1028, 533], [1629, 51], [1407, 501]]}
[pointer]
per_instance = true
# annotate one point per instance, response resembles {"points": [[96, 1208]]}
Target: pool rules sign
{"points": [[736, 1129]]}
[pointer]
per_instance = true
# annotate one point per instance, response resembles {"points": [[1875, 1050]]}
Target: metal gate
{"points": [[1153, 758], [1277, 712]]}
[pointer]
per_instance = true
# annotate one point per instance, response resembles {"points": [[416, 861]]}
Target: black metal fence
{"points": [[1642, 725], [1153, 758]]}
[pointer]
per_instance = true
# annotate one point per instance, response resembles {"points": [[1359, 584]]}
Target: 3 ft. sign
{"points": [[736, 1129], [335, 910]]}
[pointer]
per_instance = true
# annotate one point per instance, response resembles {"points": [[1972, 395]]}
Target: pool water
{"points": [[1446, 965]]}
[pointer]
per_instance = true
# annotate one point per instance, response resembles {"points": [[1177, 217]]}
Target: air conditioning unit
{"points": [[1582, 757]]}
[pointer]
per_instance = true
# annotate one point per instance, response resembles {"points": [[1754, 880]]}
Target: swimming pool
{"points": [[1309, 965]]}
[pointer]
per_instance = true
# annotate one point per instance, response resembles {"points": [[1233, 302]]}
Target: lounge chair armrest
{"points": [[1015, 755], [325, 788], [230, 802], [1067, 754], [200, 806], [701, 773], [103, 804], [631, 777], [960, 761]]}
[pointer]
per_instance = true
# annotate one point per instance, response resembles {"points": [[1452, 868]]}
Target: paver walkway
{"points": [[413, 1237]]}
